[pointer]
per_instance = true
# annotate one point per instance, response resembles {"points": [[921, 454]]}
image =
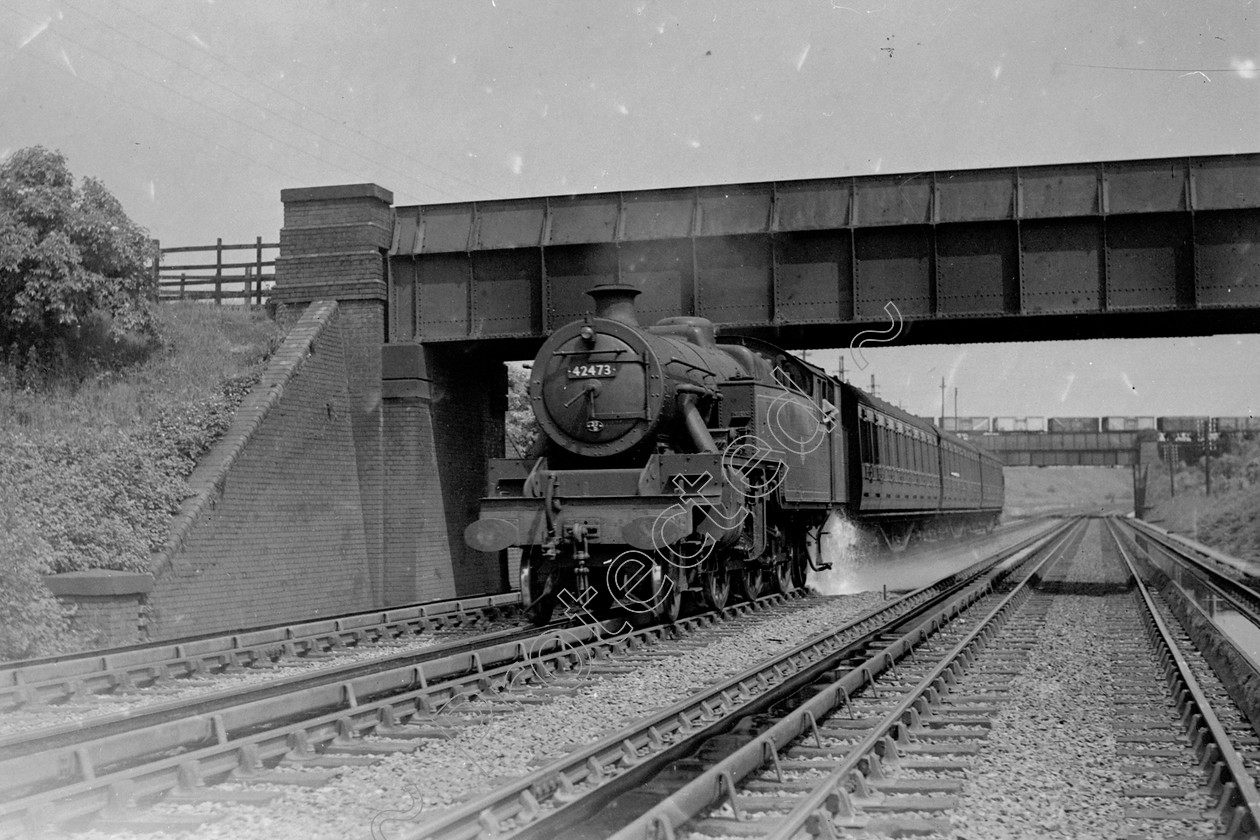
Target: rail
{"points": [[334, 717], [586, 779], [199, 278], [1239, 799], [57, 679]]}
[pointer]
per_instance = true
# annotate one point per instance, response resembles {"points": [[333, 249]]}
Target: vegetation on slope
{"points": [[106, 399], [1229, 519], [96, 447]]}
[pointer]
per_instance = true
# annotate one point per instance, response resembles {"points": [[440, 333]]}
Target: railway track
{"points": [[262, 756], [612, 776], [1212, 597], [298, 731], [1199, 568], [884, 736], [37, 683]]}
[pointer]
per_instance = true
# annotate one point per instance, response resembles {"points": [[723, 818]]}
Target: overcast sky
{"points": [[197, 113]]}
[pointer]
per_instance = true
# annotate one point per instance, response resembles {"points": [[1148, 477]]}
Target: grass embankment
{"points": [[1036, 490], [96, 445], [1229, 519]]}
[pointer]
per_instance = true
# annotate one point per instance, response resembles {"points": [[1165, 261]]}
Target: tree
{"points": [[67, 255], [521, 428]]}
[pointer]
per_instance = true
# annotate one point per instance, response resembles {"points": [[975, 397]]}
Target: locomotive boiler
{"points": [[676, 465]]}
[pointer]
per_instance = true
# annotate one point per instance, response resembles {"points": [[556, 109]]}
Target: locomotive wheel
{"points": [[749, 581], [799, 571], [783, 577], [541, 592], [715, 589], [670, 607], [542, 607], [539, 612]]}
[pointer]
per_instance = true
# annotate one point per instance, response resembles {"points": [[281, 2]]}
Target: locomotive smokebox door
{"points": [[597, 385]]}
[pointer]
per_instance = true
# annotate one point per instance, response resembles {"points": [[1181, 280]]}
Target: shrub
{"points": [[67, 255], [31, 620]]}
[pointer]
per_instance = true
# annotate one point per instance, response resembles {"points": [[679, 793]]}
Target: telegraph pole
{"points": [[1207, 457], [1172, 468], [942, 402]]}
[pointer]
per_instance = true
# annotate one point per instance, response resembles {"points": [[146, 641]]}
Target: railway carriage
{"points": [[675, 463]]}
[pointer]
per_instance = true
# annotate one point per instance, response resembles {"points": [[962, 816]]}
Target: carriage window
{"points": [[866, 438]]}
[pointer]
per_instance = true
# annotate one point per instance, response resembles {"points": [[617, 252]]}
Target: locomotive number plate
{"points": [[586, 371]]}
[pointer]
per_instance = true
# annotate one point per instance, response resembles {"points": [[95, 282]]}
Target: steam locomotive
{"points": [[676, 465]]}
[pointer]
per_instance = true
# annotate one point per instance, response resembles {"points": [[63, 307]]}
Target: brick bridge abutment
{"points": [[424, 418]]}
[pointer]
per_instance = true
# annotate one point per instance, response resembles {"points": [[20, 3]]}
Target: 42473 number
{"points": [[589, 370]]}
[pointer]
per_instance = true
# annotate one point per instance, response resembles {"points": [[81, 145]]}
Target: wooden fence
{"points": [[244, 281]]}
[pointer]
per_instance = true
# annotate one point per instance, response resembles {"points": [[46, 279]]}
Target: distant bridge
{"points": [[1062, 449]]}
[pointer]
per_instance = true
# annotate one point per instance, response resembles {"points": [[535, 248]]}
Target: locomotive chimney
{"points": [[615, 301]]}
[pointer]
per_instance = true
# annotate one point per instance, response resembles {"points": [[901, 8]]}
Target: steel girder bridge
{"points": [[1126, 248]]}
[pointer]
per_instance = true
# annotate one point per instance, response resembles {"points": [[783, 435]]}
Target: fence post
{"points": [[157, 269], [218, 272], [182, 278], [258, 272]]}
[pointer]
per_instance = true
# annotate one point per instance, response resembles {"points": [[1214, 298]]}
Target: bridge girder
{"points": [[1125, 248], [1062, 449]]}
